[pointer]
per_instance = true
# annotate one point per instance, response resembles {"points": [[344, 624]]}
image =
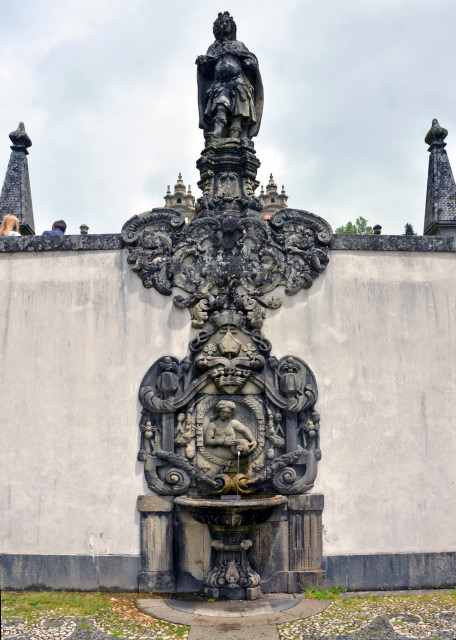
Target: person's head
{"points": [[224, 26], [225, 409], [9, 223], [59, 224]]}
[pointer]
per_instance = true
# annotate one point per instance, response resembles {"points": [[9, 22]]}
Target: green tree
{"points": [[409, 230], [359, 227]]}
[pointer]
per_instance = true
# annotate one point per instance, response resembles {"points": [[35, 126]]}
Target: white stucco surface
{"points": [[79, 331]]}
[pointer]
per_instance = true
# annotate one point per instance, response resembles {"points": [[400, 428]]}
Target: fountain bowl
{"points": [[232, 512]]}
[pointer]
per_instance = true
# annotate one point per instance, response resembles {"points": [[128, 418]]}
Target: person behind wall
{"points": [[58, 229], [9, 226]]}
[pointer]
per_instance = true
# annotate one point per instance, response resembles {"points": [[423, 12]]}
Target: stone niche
{"points": [[230, 434]]}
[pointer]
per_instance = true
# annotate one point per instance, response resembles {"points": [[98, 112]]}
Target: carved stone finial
{"points": [[20, 139], [179, 186], [271, 186], [440, 213], [436, 133], [16, 196]]}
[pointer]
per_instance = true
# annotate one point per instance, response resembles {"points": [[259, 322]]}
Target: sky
{"points": [[107, 91]]}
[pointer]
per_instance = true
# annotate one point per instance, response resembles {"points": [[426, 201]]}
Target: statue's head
{"points": [[224, 27], [225, 408]]}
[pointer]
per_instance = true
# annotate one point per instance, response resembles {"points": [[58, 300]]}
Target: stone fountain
{"points": [[229, 434]]}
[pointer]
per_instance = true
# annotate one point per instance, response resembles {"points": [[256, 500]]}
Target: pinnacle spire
{"points": [[16, 197], [440, 214]]}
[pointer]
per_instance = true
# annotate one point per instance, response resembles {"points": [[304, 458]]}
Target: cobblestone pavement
{"points": [[385, 618]]}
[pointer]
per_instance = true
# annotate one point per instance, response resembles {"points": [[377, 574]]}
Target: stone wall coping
{"points": [[92, 242], [340, 242]]}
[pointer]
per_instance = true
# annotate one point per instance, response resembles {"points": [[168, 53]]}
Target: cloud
{"points": [[107, 91]]}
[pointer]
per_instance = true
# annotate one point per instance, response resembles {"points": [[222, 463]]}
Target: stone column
{"points": [[305, 541], [157, 569]]}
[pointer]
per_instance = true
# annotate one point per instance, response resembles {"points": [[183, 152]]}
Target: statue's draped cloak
{"points": [[206, 83]]}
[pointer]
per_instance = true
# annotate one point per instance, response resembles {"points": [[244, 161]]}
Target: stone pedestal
{"points": [[305, 542], [228, 169], [157, 568]]}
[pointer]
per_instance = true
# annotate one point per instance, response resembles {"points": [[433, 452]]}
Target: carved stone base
{"points": [[299, 580], [251, 593], [156, 582], [228, 171], [286, 551]]}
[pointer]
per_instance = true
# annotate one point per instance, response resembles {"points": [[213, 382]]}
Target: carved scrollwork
{"points": [[149, 238], [229, 418], [227, 260]]}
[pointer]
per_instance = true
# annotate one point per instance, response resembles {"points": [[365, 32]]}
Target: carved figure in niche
{"points": [[228, 432], [230, 91]]}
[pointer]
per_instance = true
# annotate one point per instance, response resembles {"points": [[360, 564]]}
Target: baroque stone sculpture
{"points": [[230, 419], [230, 92]]}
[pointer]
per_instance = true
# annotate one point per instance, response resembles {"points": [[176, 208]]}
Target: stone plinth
{"points": [[228, 171], [157, 570]]}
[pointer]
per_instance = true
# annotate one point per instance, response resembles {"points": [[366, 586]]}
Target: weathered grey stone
{"points": [[154, 504], [348, 242], [16, 197], [120, 572], [230, 522], [229, 422], [156, 581], [305, 532], [391, 571], [230, 616], [233, 631], [77, 572], [339, 242], [230, 91], [93, 242], [440, 214], [157, 567]]}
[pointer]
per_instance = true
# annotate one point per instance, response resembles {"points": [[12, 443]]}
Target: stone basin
{"points": [[230, 520], [231, 512]]}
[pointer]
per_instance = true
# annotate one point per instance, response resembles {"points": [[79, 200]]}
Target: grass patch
{"points": [[324, 594], [114, 613], [27, 604]]}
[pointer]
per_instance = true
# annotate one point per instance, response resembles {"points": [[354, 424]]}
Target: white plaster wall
{"points": [[79, 331], [378, 331]]}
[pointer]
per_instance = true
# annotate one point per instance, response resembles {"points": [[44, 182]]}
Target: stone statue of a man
{"points": [[230, 91]]}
